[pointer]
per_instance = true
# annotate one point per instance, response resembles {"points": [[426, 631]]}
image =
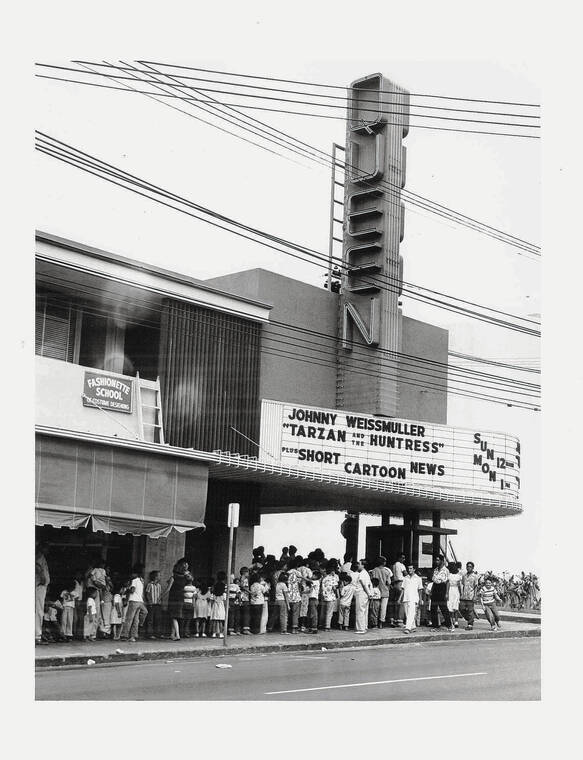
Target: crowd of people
{"points": [[291, 595]]}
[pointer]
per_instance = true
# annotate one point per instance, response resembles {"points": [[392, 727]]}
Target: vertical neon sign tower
{"points": [[378, 120]]}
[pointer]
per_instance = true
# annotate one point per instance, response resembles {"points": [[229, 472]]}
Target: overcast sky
{"points": [[494, 179]]}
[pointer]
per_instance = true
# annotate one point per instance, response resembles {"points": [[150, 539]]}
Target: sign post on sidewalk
{"points": [[232, 522]]}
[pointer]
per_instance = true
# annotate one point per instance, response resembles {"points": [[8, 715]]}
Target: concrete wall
{"points": [[283, 377], [423, 386], [59, 403]]}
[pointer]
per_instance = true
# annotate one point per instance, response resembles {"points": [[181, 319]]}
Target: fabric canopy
{"points": [[119, 490]]}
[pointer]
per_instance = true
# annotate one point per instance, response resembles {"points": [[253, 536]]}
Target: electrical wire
{"points": [[338, 87], [309, 252], [295, 101], [408, 196], [289, 112]]}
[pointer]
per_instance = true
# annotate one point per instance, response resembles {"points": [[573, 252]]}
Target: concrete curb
{"points": [[221, 651]]}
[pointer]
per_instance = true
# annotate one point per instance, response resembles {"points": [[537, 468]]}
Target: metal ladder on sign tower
{"points": [[149, 408]]}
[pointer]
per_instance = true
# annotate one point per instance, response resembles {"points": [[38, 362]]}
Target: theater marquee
{"points": [[337, 442]]}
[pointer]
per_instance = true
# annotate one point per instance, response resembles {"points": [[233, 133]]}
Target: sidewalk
{"points": [[78, 652]]}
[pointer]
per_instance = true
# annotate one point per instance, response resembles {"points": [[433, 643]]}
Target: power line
{"points": [[295, 101], [289, 112], [345, 98], [126, 177], [409, 197], [338, 87]]}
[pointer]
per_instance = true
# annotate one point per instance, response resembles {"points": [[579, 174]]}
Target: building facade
{"points": [[157, 403]]}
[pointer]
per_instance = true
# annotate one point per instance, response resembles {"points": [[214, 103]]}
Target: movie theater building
{"points": [[160, 399]]}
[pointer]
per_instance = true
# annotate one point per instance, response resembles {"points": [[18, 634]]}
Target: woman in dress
{"points": [[453, 597], [175, 589], [362, 594]]}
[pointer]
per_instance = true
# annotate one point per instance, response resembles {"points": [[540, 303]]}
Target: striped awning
{"points": [[117, 490]]}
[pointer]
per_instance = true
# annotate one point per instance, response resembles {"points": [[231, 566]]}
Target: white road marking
{"points": [[374, 683]]}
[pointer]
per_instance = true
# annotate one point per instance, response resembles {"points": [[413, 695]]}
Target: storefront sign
{"points": [[108, 392], [437, 457]]}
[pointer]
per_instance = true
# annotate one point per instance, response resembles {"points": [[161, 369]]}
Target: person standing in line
{"points": [[468, 589], [154, 605], [294, 579], [68, 613], [90, 619], [284, 555], [106, 604], [489, 597], [201, 608], [282, 602], [256, 602], [117, 614], [190, 591], [374, 606], [266, 596], [362, 595], [453, 594], [219, 599], [329, 593], [384, 575], [175, 590], [234, 607], [245, 603], [346, 597], [439, 591], [137, 611], [42, 578], [412, 589], [313, 596], [399, 572]]}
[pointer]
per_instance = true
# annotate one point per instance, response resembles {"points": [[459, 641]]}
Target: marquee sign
{"points": [[381, 449], [108, 392]]}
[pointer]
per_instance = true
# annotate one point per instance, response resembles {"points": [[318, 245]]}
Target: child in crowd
{"points": [[68, 613], [374, 606], [245, 601], [305, 575], [201, 609], [256, 601], [117, 612], [190, 591], [234, 607], [217, 616], [90, 619], [79, 592], [266, 596], [314, 595], [153, 599], [51, 628], [282, 601], [489, 597], [106, 605], [346, 597], [284, 555]]}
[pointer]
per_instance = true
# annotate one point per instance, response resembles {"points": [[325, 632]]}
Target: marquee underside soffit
{"points": [[286, 490]]}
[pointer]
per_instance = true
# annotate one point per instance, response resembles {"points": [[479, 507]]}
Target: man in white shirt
{"points": [[362, 593], [136, 610], [412, 586], [397, 609]]}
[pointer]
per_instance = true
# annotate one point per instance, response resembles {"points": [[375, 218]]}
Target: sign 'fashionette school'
{"points": [[439, 457]]}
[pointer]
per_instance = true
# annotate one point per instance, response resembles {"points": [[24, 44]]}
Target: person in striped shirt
{"points": [[489, 597], [154, 604]]}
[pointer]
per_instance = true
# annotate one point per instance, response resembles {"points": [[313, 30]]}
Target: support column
{"points": [[436, 520], [349, 530]]}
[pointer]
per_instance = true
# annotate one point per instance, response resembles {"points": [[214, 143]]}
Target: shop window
{"points": [[55, 329], [92, 342], [141, 347]]}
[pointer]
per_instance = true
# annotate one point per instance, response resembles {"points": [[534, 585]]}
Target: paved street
{"points": [[490, 669]]}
